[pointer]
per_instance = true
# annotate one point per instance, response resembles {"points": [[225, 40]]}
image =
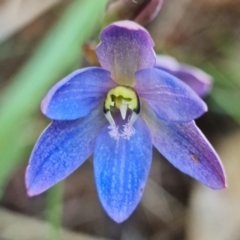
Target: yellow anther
{"points": [[123, 99], [121, 95]]}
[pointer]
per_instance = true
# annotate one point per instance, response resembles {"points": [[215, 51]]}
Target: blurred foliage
{"points": [[54, 56]]}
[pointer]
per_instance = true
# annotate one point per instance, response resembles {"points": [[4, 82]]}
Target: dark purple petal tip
{"points": [[125, 47]]}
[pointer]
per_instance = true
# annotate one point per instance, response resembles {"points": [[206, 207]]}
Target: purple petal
{"points": [[197, 79], [78, 94], [170, 98], [184, 145], [121, 170], [62, 148], [125, 48]]}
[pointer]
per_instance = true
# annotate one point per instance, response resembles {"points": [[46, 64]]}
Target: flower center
{"points": [[126, 100]]}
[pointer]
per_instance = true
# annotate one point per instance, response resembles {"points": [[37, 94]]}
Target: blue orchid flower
{"points": [[117, 112]]}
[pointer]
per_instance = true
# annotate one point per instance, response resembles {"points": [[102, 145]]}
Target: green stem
{"points": [[54, 211]]}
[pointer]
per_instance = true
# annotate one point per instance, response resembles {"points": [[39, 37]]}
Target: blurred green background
{"points": [[41, 42]]}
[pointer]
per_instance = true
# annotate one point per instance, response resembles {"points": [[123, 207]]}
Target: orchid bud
{"points": [[140, 11]]}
